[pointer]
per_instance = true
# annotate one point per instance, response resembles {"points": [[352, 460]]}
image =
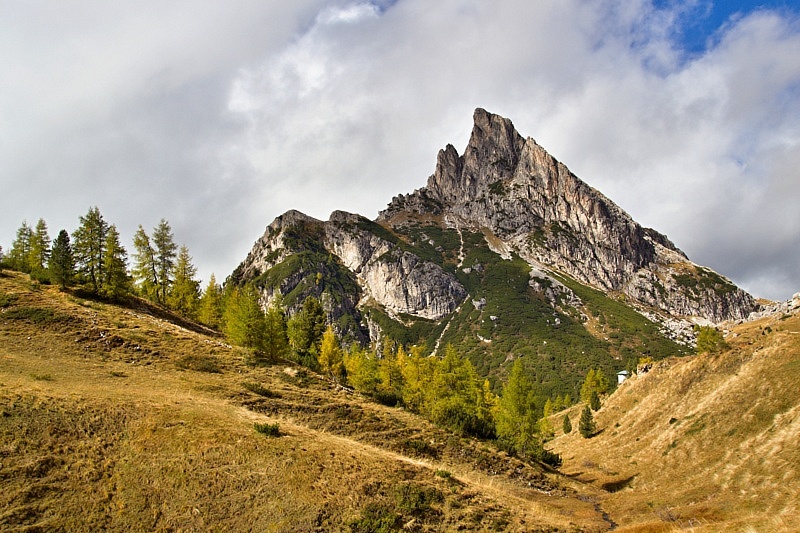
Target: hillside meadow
{"points": [[705, 443], [121, 417]]}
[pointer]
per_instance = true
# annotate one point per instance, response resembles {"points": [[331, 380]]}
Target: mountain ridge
{"points": [[504, 253]]}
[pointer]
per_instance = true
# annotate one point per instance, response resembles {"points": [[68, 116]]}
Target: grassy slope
{"points": [[114, 419], [709, 442]]}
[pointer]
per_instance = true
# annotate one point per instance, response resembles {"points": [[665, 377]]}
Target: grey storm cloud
{"points": [[221, 116]]}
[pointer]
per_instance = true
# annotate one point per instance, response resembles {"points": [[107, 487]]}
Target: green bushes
{"points": [[270, 430]]}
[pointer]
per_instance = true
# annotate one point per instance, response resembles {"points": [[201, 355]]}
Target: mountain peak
{"points": [[513, 188]]}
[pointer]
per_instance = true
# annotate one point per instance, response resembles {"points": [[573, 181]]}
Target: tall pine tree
{"points": [[276, 341], [40, 249], [243, 320], [209, 311], [516, 413], [115, 282], [88, 245], [185, 293], [144, 271], [586, 424], [165, 254], [61, 263], [19, 255], [305, 331]]}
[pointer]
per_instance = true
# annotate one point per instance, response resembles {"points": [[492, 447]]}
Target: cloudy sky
{"points": [[221, 115]]}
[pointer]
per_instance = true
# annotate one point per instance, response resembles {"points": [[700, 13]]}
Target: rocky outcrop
{"points": [[513, 188], [387, 275]]}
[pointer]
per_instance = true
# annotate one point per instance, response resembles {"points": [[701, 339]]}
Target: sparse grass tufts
{"points": [[199, 363], [42, 377], [35, 315], [6, 300], [261, 390]]}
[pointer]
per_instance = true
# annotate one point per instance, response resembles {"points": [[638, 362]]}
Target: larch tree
{"points": [[165, 254], [361, 366], [209, 310], [18, 256], [61, 263], [144, 271], [331, 358], [115, 280], [516, 413], [243, 320], [88, 245], [595, 381], [416, 369], [39, 250], [185, 293], [276, 341]]}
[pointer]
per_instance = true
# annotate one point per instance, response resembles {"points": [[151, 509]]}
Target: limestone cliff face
{"points": [[306, 257], [535, 205], [398, 280]]}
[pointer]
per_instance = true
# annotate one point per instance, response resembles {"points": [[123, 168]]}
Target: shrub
{"points": [[375, 518], [270, 430], [416, 499]]}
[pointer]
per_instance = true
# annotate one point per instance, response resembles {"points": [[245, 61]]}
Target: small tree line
{"points": [[94, 258]]}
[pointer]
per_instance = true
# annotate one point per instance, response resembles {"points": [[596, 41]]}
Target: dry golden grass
{"points": [[708, 442], [115, 418]]}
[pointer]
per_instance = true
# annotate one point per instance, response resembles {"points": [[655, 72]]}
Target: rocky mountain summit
{"points": [[503, 253], [513, 188]]}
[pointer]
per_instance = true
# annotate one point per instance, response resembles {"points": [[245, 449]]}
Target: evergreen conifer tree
{"points": [[594, 401], [567, 425], [88, 245], [144, 270], [209, 311], [276, 342], [185, 292], [61, 263], [39, 249], [243, 320], [165, 254], [18, 256], [115, 282], [586, 424], [516, 413], [305, 331]]}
